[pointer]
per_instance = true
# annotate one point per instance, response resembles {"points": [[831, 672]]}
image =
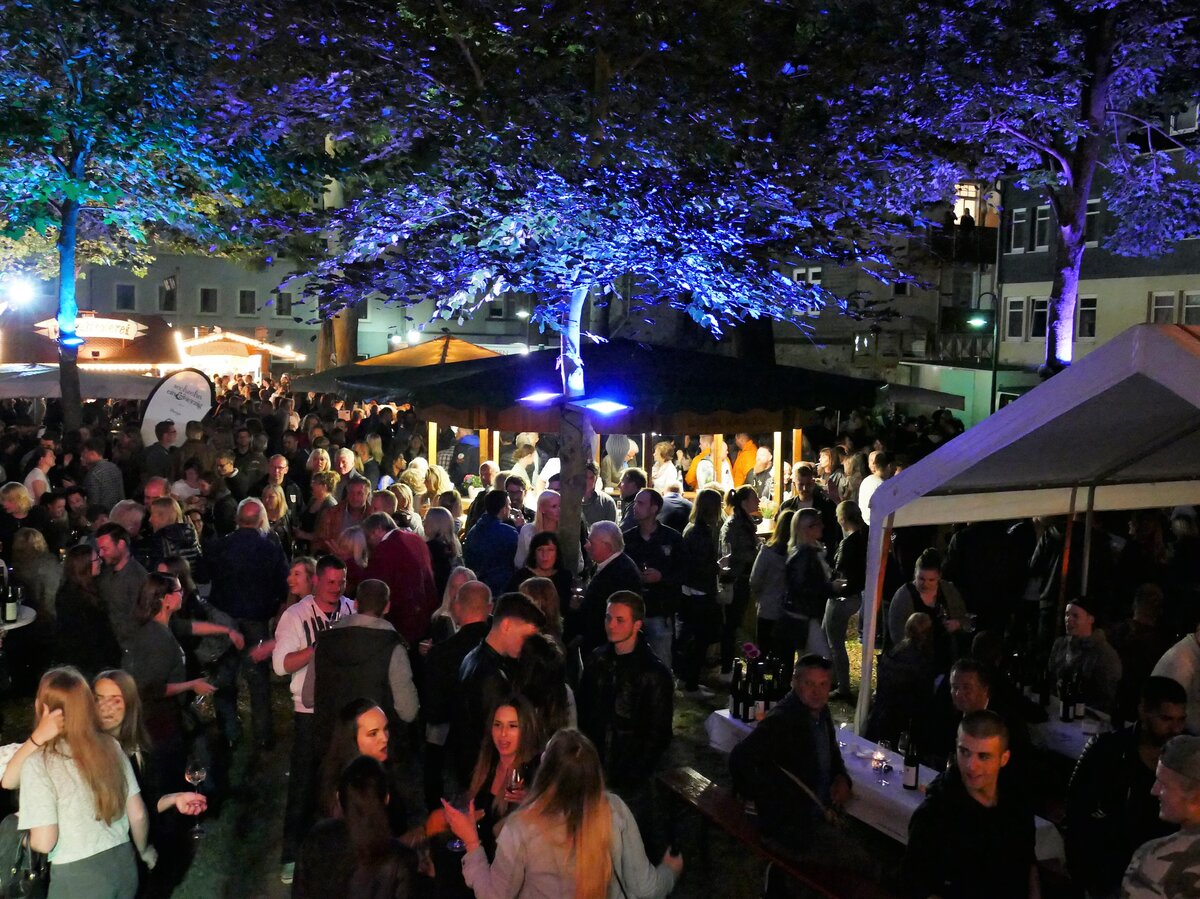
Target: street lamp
{"points": [[979, 321]]}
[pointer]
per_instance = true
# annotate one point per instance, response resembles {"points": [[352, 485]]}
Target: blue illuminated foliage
{"points": [[1049, 95], [668, 151]]}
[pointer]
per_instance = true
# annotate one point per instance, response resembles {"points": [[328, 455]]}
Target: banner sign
{"points": [[182, 396]]}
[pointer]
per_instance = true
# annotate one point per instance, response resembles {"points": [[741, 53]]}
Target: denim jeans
{"points": [[838, 612], [258, 681], [658, 631]]}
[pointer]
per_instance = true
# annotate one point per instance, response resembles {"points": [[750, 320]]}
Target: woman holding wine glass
{"points": [[570, 837], [507, 761]]}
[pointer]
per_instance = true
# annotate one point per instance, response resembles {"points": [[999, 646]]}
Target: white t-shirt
{"points": [[866, 490], [54, 792], [297, 629], [36, 476]]}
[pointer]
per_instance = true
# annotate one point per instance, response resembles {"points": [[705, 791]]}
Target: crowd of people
{"points": [[460, 682]]}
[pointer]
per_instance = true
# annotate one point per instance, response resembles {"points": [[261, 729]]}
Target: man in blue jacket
{"points": [[491, 544], [249, 584]]}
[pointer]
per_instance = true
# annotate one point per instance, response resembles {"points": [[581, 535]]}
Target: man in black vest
{"points": [[361, 657]]}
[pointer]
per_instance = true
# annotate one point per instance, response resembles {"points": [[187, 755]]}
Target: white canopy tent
{"points": [[36, 380], [1120, 429]]}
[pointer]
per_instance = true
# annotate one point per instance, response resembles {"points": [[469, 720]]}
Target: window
{"points": [[1041, 229], [247, 302], [1014, 319], [1085, 321], [363, 309], [1091, 228], [1184, 122], [209, 301], [168, 298], [1191, 309], [1039, 315], [1018, 236], [1162, 309], [901, 289], [495, 310], [283, 303], [125, 299]]}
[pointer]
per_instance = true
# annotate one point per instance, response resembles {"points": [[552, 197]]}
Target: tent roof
{"points": [[667, 389], [1125, 420], [444, 350], [43, 380]]}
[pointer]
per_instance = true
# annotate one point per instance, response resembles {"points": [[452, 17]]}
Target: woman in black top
{"points": [[85, 636], [543, 561]]}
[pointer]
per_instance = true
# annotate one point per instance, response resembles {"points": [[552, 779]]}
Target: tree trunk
{"points": [[68, 315], [324, 345], [1060, 326], [575, 431], [345, 336], [1070, 202]]}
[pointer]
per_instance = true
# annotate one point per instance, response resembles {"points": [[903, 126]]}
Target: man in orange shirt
{"points": [[705, 452], [743, 465]]}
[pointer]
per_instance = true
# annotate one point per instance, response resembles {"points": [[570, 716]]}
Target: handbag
{"points": [[24, 874]]}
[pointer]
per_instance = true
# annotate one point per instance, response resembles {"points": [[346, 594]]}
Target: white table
{"points": [[885, 807], [24, 616], [1068, 739]]}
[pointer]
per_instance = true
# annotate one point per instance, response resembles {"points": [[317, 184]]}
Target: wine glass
{"points": [[515, 782], [880, 762], [195, 774]]}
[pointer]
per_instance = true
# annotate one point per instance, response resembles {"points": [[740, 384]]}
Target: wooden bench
{"points": [[718, 805]]}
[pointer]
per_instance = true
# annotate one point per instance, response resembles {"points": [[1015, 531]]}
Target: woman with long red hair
{"points": [[79, 799]]}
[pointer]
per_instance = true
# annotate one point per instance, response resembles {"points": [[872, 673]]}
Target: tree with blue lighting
{"points": [[1072, 98], [561, 150], [119, 136]]}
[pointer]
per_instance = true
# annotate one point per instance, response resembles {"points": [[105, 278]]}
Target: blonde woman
{"points": [[79, 799], [570, 837], [437, 481], [549, 504], [353, 550], [442, 626], [406, 513], [18, 511], [441, 536]]}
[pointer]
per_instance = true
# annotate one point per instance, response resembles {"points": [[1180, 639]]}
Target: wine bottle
{"points": [[1044, 692], [912, 765], [1080, 710], [747, 714], [1066, 705], [12, 604], [735, 690], [768, 691]]}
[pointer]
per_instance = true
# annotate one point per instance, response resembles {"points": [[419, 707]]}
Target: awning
{"points": [[445, 350], [43, 381], [666, 389], [921, 396]]}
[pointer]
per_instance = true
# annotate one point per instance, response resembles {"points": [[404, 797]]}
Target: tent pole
{"points": [[431, 442], [777, 484], [496, 446], [797, 446], [596, 449], [485, 438], [877, 560], [1066, 561], [1087, 540]]}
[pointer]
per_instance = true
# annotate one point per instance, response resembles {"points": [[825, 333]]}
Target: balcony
{"points": [[969, 246]]}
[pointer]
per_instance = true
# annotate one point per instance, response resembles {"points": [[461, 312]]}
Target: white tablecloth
{"points": [[885, 807], [1066, 739]]}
